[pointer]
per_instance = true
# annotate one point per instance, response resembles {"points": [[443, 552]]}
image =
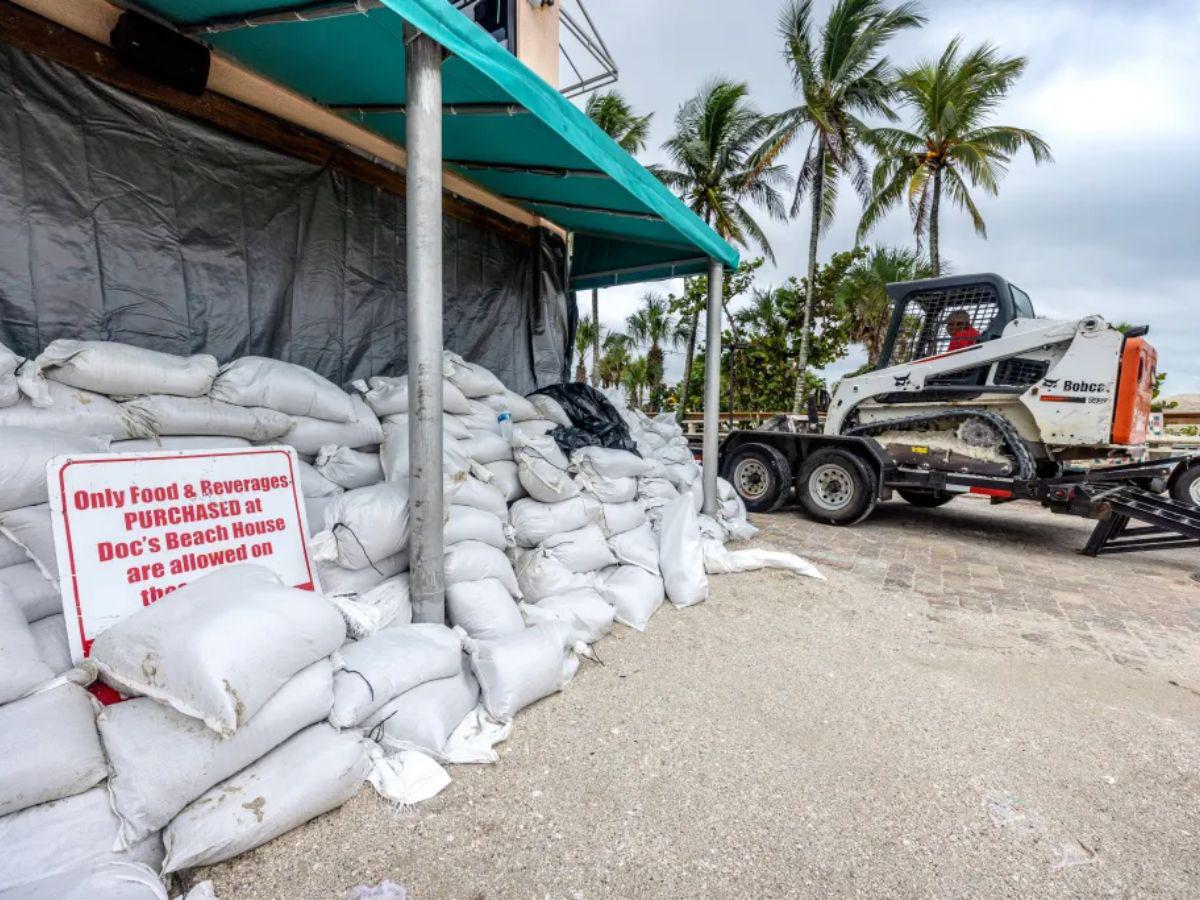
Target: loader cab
{"points": [[935, 316]]}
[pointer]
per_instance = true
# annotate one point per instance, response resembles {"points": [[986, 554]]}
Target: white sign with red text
{"points": [[131, 528]]}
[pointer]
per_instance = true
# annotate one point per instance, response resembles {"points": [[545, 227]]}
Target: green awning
{"points": [[503, 128]]}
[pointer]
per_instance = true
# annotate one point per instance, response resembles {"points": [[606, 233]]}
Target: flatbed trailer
{"points": [[839, 479]]}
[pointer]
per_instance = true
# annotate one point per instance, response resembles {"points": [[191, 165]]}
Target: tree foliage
{"points": [[616, 118]]}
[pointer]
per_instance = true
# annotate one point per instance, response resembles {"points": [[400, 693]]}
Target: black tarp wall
{"points": [[122, 221]]}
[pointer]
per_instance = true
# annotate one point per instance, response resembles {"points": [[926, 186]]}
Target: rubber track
{"points": [[1025, 463]]}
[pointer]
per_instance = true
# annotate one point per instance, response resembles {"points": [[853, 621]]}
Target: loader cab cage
{"points": [[939, 315]]}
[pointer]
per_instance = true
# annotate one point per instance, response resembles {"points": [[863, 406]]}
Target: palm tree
{"points": [[862, 297], [951, 143], [717, 168], [840, 78], [615, 358], [653, 324], [615, 117], [587, 338], [634, 378]]}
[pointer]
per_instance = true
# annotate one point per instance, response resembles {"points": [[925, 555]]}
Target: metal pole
{"points": [[712, 386], [423, 236]]}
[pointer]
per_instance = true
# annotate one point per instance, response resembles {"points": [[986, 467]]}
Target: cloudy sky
{"points": [[1112, 227]]}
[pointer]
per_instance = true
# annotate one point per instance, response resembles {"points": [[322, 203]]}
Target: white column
{"points": [[712, 386], [423, 235]]}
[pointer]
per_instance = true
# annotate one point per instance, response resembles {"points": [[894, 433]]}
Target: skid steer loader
{"points": [[975, 394]]}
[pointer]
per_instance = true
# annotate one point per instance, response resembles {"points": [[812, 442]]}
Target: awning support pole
{"points": [[423, 227], [712, 385]]}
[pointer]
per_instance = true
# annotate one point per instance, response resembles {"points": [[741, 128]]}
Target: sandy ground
{"points": [[960, 709]]}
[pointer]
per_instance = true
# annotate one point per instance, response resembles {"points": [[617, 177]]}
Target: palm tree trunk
{"points": [[818, 188], [687, 364], [595, 336], [934, 259]]}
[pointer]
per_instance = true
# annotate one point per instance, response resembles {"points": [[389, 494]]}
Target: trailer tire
{"points": [[760, 475], [836, 487], [925, 499], [1185, 487]]}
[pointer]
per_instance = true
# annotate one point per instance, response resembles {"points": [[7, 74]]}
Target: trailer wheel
{"points": [[836, 487], [1186, 487], [925, 499], [760, 475]]}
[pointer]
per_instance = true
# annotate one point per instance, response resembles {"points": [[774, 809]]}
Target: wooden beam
{"points": [[94, 20]]}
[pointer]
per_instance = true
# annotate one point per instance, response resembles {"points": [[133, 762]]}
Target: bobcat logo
{"points": [[902, 380], [1049, 383]]}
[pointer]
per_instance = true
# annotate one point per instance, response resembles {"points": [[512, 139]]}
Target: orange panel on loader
{"points": [[1135, 390]]}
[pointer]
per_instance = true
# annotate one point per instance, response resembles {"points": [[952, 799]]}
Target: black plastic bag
{"points": [[591, 415]]}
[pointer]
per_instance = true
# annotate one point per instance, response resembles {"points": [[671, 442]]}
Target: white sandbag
{"points": [[363, 526], [406, 778], [113, 880], [68, 834], [220, 646], [424, 718], [585, 612], [375, 670], [638, 547], [283, 386], [162, 760], [542, 468], [534, 427], [665, 425], [520, 409], [393, 454], [315, 771], [50, 635], [681, 554], [348, 468], [337, 580], [486, 447], [719, 561], [49, 746], [581, 550], [33, 593], [179, 442], [605, 462], [683, 475], [483, 609], [506, 480], [634, 594], [385, 605], [466, 523], [30, 528], [309, 434], [676, 454], [609, 490], [549, 408], [480, 495], [314, 513], [540, 575], [534, 521], [122, 370], [25, 454], [9, 361], [314, 485], [11, 553], [656, 487], [21, 666], [473, 380], [617, 518], [475, 561], [522, 668], [481, 418], [72, 410], [10, 393], [164, 415], [389, 396], [453, 426]]}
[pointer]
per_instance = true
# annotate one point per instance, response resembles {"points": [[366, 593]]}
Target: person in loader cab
{"points": [[958, 326]]}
